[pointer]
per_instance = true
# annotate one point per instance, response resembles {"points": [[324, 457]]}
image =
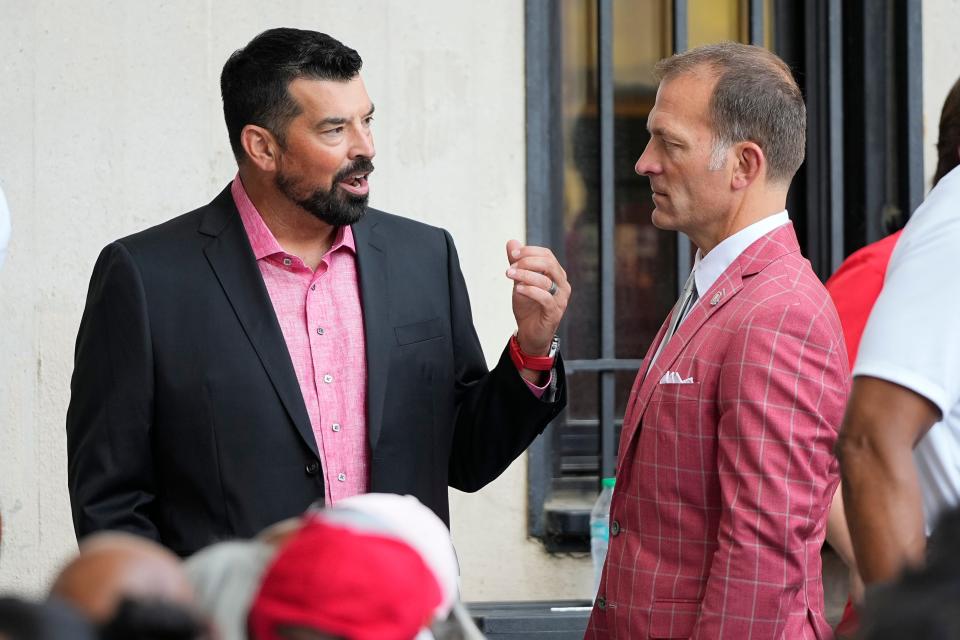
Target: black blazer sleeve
{"points": [[110, 468], [497, 416]]}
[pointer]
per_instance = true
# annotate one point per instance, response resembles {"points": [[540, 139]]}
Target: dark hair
{"points": [[254, 80], [153, 620], [948, 142], [922, 604], [53, 620], [755, 99]]}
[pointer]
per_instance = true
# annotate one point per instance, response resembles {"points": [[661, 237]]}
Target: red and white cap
{"points": [[409, 520], [345, 583]]}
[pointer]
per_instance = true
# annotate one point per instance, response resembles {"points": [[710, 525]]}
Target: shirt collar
{"points": [[707, 269], [262, 240]]}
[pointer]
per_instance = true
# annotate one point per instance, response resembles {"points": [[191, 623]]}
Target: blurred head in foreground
{"points": [[114, 566], [332, 581], [406, 518], [226, 577], [923, 603], [21, 620], [154, 620]]}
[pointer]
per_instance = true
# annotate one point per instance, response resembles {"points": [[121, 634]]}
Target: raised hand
{"points": [[540, 295]]}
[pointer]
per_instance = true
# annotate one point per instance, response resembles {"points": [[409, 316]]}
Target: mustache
{"points": [[361, 165]]}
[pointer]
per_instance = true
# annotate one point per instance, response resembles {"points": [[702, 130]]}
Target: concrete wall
{"points": [[941, 50], [111, 123]]}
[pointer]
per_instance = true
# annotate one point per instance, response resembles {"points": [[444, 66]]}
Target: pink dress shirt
{"points": [[321, 319], [322, 323]]}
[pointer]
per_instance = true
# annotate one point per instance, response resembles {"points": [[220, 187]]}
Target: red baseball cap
{"points": [[345, 583]]}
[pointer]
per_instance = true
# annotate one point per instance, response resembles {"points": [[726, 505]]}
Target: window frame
{"points": [[815, 38]]}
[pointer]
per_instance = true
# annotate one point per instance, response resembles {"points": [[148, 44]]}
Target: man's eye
{"points": [[368, 120], [334, 131]]}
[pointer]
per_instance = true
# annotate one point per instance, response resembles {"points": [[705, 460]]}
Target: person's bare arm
{"points": [[838, 537], [880, 488]]}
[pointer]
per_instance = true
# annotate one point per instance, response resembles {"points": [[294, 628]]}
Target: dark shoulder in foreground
{"points": [[196, 228], [212, 218]]}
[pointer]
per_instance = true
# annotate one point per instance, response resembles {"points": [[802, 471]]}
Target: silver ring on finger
{"points": [[553, 288]]}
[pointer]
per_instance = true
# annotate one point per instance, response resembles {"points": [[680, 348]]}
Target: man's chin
{"points": [[357, 215], [662, 220], [352, 213], [336, 213], [342, 217]]}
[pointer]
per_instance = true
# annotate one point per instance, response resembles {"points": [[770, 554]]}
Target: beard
{"points": [[334, 206]]}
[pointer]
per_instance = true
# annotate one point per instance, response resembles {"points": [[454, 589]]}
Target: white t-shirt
{"points": [[912, 337]]}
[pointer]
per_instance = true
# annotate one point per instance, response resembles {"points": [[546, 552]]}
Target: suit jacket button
{"points": [[614, 528], [601, 603], [312, 468]]}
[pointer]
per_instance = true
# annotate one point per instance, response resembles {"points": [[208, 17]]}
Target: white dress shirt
{"points": [[706, 269]]}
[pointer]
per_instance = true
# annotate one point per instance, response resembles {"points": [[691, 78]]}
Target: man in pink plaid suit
{"points": [[726, 466]]}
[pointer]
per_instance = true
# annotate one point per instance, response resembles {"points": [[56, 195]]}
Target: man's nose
{"points": [[363, 145], [647, 163]]}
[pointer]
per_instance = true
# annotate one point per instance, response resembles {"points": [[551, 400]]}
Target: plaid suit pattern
{"points": [[723, 485]]}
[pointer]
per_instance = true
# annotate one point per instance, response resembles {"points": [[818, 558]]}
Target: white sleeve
{"points": [[913, 335]]}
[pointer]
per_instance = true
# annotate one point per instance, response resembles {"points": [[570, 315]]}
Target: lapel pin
{"points": [[716, 298]]}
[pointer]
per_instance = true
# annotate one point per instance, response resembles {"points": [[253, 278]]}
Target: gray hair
{"points": [[756, 99], [226, 577]]}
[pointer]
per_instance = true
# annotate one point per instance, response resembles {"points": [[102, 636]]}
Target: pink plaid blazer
{"points": [[724, 483]]}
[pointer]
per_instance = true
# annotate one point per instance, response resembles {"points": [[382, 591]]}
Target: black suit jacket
{"points": [[186, 422]]}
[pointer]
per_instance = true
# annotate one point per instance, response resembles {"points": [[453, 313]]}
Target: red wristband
{"points": [[534, 363]]}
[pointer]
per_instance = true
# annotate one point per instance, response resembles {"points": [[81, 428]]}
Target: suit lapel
{"points": [[755, 258], [231, 259], [375, 297], [723, 290], [629, 416]]}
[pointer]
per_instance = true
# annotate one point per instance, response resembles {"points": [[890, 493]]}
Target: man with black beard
{"points": [[285, 343]]}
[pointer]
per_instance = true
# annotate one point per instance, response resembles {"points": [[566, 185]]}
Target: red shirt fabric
{"points": [[322, 323], [854, 288]]}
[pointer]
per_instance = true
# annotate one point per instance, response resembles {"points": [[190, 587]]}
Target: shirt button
{"points": [[336, 427], [614, 528], [328, 378], [287, 262], [601, 603], [320, 331], [342, 477]]}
